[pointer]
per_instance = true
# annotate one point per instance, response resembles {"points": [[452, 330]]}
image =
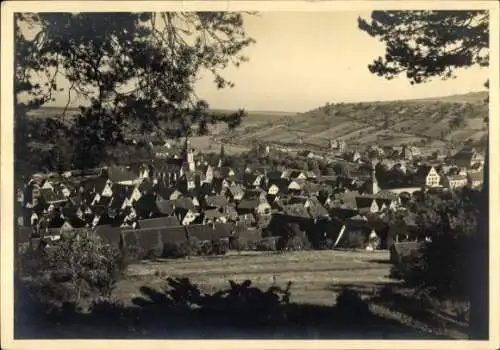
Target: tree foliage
{"points": [[132, 72], [426, 44], [80, 265]]}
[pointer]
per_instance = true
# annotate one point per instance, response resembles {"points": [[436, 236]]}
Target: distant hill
{"points": [[436, 121]]}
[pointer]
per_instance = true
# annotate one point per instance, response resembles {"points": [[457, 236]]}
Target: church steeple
{"points": [[221, 155], [188, 155], [374, 183]]}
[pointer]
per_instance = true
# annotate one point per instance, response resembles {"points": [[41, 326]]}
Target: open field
{"points": [[316, 275]]}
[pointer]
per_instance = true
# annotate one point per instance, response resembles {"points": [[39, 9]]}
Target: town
{"points": [[179, 196]]}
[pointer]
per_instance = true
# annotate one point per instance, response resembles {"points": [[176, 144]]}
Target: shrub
{"points": [[266, 245], [81, 265], [220, 247], [238, 243], [355, 240], [177, 250]]}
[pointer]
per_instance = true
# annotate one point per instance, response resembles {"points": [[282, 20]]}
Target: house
{"points": [[254, 206], [169, 193], [186, 216], [253, 180], [161, 151], [311, 175], [306, 153], [121, 175], [454, 181], [165, 207], [71, 223], [355, 157], [189, 181], [297, 186], [208, 172], [475, 178], [296, 175], [235, 193], [51, 197], [213, 215], [278, 186], [215, 201], [467, 158], [427, 176], [146, 206], [223, 172], [366, 204]]}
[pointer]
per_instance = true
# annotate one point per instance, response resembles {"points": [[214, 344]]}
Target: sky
{"points": [[301, 60]]}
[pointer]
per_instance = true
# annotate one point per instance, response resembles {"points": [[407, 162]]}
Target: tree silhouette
{"points": [[134, 72], [426, 44]]}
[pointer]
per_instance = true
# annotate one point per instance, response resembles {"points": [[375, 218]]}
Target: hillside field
{"points": [[435, 122], [383, 123]]}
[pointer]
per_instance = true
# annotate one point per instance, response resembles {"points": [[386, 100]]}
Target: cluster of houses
{"points": [[184, 196]]}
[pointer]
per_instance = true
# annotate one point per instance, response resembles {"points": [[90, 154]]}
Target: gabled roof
{"points": [[222, 230], [273, 175], [222, 172], [161, 222], [281, 183], [364, 202], [55, 222], [184, 203], [456, 177], [146, 186], [296, 210], [423, 170], [76, 222], [215, 201], [301, 200], [236, 191], [122, 190], [117, 201], [51, 196], [165, 207], [476, 175], [251, 194], [165, 193], [104, 201], [146, 205], [119, 174], [212, 214], [201, 232], [295, 173], [248, 204]]}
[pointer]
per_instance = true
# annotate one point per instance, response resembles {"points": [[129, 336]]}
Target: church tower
{"points": [[373, 187], [221, 156], [189, 155]]}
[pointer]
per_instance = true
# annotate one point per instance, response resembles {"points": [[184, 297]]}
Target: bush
{"points": [[219, 247], [178, 250], [81, 265], [355, 240], [266, 245], [238, 243]]}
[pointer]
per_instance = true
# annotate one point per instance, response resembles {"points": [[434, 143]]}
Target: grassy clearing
{"points": [[316, 275]]}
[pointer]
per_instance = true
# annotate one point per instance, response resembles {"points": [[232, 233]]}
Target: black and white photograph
{"points": [[249, 171]]}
